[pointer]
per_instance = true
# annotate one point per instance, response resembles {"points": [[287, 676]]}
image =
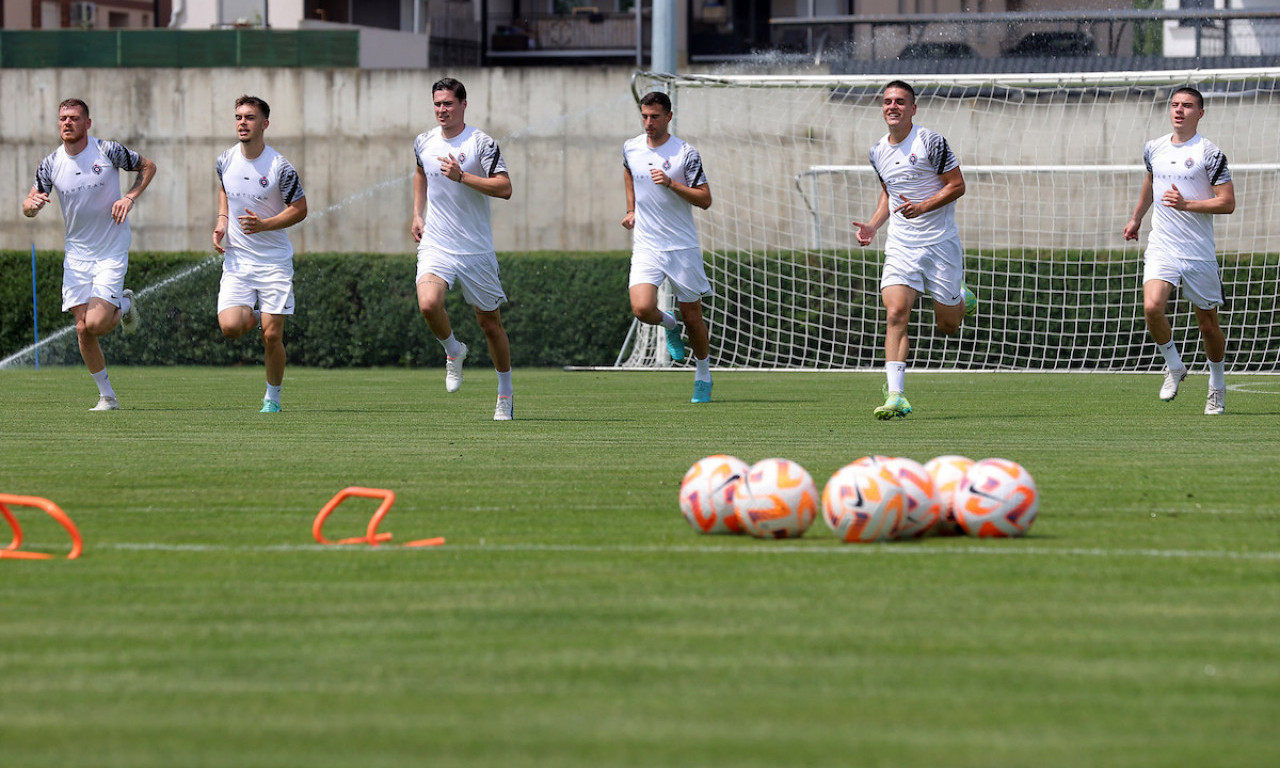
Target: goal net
{"points": [[1053, 168]]}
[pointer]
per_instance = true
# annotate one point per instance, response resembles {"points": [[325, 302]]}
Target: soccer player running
{"points": [[664, 179], [920, 181], [459, 167], [259, 196], [1189, 175], [84, 172]]}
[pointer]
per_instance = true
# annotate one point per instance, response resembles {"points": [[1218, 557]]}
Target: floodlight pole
{"points": [[664, 37]]}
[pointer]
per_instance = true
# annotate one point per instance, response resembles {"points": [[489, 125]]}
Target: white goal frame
{"points": [[1053, 168]]}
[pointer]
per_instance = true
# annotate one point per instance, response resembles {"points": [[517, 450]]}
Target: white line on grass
{"points": [[764, 549]]}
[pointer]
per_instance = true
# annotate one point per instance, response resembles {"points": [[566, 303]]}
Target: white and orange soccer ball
{"points": [[996, 499], [924, 511], [776, 499], [863, 501], [947, 472], [706, 494]]}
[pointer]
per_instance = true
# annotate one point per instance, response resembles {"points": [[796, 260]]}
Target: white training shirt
{"points": [[88, 184], [265, 185], [456, 216], [913, 169], [1196, 167], [664, 220]]}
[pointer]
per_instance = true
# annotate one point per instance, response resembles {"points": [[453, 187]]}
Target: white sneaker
{"points": [[1172, 379], [453, 369], [106, 404], [1217, 402], [505, 410], [129, 321]]}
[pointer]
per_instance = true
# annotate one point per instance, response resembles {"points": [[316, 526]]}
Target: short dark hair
{"points": [[256, 103], [903, 85], [452, 86], [656, 97], [78, 103], [1199, 97]]}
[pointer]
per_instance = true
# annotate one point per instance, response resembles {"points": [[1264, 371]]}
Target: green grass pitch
{"points": [[574, 618]]}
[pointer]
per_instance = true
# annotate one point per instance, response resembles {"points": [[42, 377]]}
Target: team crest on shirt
{"points": [[262, 182], [666, 164], [1189, 162], [97, 168], [912, 158], [462, 158]]}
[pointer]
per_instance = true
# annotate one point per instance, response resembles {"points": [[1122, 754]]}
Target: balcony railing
{"points": [[586, 32]]}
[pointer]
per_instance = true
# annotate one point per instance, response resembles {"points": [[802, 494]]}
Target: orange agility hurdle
{"points": [[12, 551], [371, 536]]}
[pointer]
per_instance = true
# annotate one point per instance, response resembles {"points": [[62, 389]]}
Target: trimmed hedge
{"points": [[352, 310]]}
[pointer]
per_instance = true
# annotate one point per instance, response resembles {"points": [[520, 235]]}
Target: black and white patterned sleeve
{"points": [[44, 175], [694, 174], [1215, 164], [121, 156], [941, 158], [491, 156], [290, 185]]}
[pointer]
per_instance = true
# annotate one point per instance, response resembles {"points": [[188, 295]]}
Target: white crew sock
{"points": [[1217, 379], [451, 346], [702, 369], [897, 375], [504, 383], [273, 392], [104, 383], [1171, 356], [668, 321]]}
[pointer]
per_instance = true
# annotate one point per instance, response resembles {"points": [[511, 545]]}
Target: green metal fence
{"points": [[38, 49]]}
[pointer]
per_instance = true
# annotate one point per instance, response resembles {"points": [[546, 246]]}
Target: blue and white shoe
{"points": [[701, 392], [453, 369], [270, 406], [675, 344], [505, 409]]}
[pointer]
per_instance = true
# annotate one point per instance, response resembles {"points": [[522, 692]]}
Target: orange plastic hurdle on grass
{"points": [[12, 551], [371, 536]]}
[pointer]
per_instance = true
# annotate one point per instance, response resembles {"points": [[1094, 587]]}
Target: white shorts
{"points": [[271, 292], [475, 273], [684, 268], [1198, 279], [936, 269], [85, 280]]}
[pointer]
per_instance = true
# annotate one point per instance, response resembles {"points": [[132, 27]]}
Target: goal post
{"points": [[1053, 167]]}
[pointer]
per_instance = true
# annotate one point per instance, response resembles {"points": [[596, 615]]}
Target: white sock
{"points": [[451, 346], [504, 383], [897, 374], [104, 383], [273, 392], [1171, 356], [1217, 379], [702, 369], [668, 321]]}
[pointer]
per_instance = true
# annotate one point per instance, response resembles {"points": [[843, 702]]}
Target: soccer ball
{"points": [[775, 499], [970, 303], [947, 471], [924, 511], [863, 501], [996, 499], [706, 494]]}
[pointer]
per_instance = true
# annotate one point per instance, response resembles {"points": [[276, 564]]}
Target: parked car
{"points": [[1054, 44], [938, 50]]}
